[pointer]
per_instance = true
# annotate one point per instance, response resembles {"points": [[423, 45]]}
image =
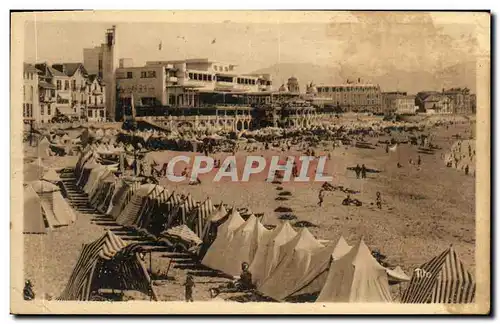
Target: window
{"points": [[58, 84], [31, 93], [101, 88], [129, 75], [31, 76], [143, 74], [102, 100], [152, 74], [24, 110], [90, 113], [90, 100], [190, 75], [209, 78], [100, 65], [41, 110], [73, 84], [101, 112], [48, 110], [66, 85]]}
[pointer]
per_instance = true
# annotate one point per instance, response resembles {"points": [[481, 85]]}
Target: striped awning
{"points": [[443, 280], [95, 257]]}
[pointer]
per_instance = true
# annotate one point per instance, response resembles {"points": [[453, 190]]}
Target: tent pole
{"points": [[151, 276]]}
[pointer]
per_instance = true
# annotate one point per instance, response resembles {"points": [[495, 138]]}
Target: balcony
{"points": [[97, 92], [172, 79], [47, 99]]}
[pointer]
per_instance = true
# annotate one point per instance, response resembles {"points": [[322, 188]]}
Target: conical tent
{"points": [[33, 215], [214, 258], [357, 278], [294, 260], [267, 254], [131, 211], [444, 279], [51, 175], [315, 278], [107, 262], [242, 247]]}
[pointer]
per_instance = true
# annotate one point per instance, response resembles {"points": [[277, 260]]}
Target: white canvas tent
{"points": [[294, 260], [315, 278], [267, 254], [242, 247], [215, 256], [357, 278]]}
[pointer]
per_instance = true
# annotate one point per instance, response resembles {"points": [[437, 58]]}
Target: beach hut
{"points": [[443, 280], [107, 263]]}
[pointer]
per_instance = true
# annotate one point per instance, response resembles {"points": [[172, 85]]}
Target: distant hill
{"points": [[459, 75]]}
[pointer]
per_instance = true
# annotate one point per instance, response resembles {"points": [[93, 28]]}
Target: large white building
{"points": [[353, 96], [183, 83]]}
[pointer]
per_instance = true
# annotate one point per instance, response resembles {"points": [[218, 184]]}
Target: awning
{"points": [[46, 85]]}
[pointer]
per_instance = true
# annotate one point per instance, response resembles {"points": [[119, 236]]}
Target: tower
{"points": [[109, 65]]}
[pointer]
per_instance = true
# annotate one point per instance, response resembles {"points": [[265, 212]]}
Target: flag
{"points": [[213, 41], [393, 148], [159, 47]]}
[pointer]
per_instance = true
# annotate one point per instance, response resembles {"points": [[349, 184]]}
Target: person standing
{"points": [[188, 286], [419, 161], [379, 200], [363, 171], [321, 196], [357, 169]]}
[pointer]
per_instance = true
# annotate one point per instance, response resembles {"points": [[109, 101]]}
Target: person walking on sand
{"points": [[363, 171], [419, 161], [188, 288], [321, 196], [357, 169], [379, 200]]}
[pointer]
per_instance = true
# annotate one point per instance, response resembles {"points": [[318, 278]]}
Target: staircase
{"points": [[79, 200], [76, 197]]}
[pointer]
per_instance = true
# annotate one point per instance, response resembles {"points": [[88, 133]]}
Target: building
{"points": [[398, 102], [353, 96], [389, 101], [405, 104], [437, 103], [461, 100], [103, 62], [77, 75], [184, 83], [31, 110], [473, 103], [95, 99], [293, 85]]}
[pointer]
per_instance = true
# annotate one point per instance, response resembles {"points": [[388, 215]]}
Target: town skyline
{"points": [[421, 43]]}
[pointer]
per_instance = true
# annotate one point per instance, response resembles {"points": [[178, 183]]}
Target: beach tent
{"points": [[34, 220], [121, 197], [293, 263], [199, 216], [397, 275], [150, 207], [356, 277], [160, 215], [107, 263], [43, 202], [242, 246], [33, 171], [180, 236], [51, 175], [444, 279], [315, 277], [131, 211], [215, 256], [267, 254], [212, 223]]}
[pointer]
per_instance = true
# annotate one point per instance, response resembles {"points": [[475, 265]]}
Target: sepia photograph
{"points": [[250, 162]]}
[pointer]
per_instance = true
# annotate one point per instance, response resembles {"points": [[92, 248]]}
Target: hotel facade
{"points": [[353, 96]]}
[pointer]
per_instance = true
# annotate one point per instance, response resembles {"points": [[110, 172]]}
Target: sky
{"points": [[379, 42]]}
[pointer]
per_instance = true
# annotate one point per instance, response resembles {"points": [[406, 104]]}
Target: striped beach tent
{"points": [[122, 197], [162, 215], [149, 207], [198, 217], [107, 263], [131, 212], [186, 206], [444, 280]]}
